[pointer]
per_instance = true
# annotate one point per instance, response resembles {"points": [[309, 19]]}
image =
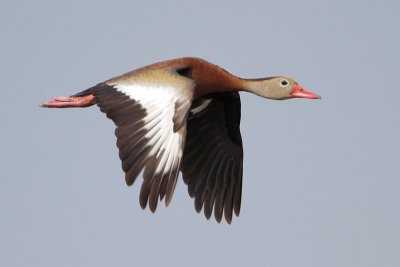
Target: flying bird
{"points": [[182, 115]]}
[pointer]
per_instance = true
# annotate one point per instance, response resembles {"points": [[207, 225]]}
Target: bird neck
{"points": [[260, 87]]}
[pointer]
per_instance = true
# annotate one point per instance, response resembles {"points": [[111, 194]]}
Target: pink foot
{"points": [[70, 102]]}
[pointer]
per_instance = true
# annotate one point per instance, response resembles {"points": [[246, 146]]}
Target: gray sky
{"points": [[321, 178]]}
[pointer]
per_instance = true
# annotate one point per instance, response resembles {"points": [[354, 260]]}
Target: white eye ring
{"points": [[283, 83]]}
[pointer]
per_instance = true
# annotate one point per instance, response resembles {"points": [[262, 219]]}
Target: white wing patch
{"points": [[149, 109], [159, 103]]}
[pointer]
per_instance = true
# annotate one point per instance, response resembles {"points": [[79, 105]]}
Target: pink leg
{"points": [[70, 102]]}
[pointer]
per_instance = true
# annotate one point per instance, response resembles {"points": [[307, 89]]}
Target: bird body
{"points": [[181, 115]]}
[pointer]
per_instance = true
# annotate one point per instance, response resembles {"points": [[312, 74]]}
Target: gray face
{"points": [[279, 88]]}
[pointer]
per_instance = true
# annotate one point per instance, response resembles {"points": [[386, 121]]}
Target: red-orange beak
{"points": [[300, 92]]}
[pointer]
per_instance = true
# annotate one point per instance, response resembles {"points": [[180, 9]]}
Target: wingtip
{"points": [[143, 203], [168, 200], [153, 209], [237, 212]]}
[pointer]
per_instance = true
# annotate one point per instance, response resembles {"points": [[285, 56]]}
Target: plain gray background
{"points": [[321, 179]]}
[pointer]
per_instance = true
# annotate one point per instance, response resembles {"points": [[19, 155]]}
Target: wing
{"points": [[150, 111], [212, 163]]}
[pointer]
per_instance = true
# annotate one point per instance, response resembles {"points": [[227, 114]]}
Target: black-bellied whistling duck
{"points": [[182, 115]]}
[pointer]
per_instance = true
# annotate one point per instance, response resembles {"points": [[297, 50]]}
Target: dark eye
{"points": [[283, 83]]}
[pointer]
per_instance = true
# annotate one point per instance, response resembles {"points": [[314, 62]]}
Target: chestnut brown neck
{"points": [[209, 78]]}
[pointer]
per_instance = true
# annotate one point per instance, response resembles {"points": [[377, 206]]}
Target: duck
{"points": [[182, 116]]}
